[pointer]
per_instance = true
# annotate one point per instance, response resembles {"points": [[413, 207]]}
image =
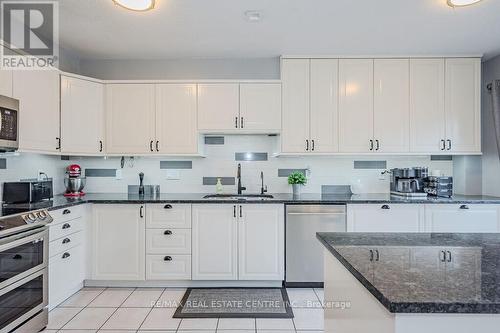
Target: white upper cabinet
{"points": [[391, 105], [261, 236], [463, 105], [260, 107], [218, 107], [214, 242], [82, 116], [427, 115], [130, 118], [356, 105], [324, 113], [38, 95], [6, 82], [176, 119], [296, 98]]}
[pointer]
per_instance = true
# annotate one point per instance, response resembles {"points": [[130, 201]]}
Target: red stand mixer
{"points": [[74, 181]]}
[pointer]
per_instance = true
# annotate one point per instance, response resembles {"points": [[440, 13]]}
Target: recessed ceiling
{"points": [[97, 29]]}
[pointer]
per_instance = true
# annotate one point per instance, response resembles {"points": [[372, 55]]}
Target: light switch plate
{"points": [[173, 174]]}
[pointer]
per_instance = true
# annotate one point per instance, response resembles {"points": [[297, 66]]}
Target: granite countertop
{"points": [[60, 201], [407, 274]]}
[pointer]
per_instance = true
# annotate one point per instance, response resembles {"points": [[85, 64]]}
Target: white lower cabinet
{"points": [[462, 218], [261, 245], [238, 242], [215, 248], [385, 218], [171, 267], [118, 242]]}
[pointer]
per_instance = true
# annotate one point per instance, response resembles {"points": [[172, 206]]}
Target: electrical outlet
{"points": [[119, 174], [173, 175]]}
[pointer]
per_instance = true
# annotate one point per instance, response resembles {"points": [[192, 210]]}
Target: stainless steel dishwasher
{"points": [[304, 253]]}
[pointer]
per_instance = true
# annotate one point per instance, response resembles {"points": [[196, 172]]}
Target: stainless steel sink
{"points": [[239, 197]]}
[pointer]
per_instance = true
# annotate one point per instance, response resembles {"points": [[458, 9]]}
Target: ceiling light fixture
{"points": [[136, 5], [461, 3], [253, 16]]}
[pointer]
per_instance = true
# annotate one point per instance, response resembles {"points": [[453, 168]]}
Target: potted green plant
{"points": [[297, 180]]}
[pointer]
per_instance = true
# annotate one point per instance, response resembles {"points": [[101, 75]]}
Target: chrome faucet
{"points": [[263, 189], [240, 188]]}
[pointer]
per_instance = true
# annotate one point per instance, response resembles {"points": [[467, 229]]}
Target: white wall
{"points": [[491, 161], [220, 162], [24, 166], [178, 69]]}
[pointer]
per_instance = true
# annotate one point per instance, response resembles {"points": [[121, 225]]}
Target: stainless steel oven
{"points": [[9, 123], [24, 281]]}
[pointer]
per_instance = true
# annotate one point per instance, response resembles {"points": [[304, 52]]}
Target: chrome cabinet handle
{"points": [[371, 255], [377, 257], [167, 258], [449, 256], [66, 226], [236, 122], [66, 240], [58, 143], [442, 256], [307, 145], [378, 144], [167, 232], [241, 211], [168, 206], [151, 145], [234, 211], [464, 207], [242, 123], [157, 145], [449, 144], [313, 145], [385, 207], [443, 145], [371, 145], [100, 146], [66, 255], [66, 212], [141, 212]]}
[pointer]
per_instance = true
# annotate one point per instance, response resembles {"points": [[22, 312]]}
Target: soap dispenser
{"points": [[218, 187]]}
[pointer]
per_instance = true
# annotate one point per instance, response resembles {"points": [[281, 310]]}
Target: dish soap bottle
{"points": [[218, 187]]}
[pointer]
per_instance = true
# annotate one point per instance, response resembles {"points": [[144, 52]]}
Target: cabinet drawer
{"points": [[65, 243], [64, 229], [67, 272], [168, 241], [168, 267], [67, 214], [168, 216]]}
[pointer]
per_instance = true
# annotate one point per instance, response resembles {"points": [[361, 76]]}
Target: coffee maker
{"points": [[409, 182]]}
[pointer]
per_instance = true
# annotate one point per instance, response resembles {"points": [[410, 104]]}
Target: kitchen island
{"points": [[427, 282]]}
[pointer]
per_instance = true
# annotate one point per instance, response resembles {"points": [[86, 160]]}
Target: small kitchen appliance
{"points": [[409, 182], [74, 181], [9, 117], [27, 191], [439, 186]]}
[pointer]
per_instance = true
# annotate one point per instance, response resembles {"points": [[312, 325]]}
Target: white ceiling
{"points": [[98, 29]]}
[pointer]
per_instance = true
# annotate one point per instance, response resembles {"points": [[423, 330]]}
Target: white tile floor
{"points": [[150, 310]]}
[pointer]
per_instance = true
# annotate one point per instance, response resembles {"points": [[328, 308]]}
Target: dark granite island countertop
{"points": [[423, 273]]}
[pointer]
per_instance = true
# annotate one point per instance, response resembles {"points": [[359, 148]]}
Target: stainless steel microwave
{"points": [[9, 124]]}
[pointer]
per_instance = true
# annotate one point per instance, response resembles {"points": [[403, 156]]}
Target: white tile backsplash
{"points": [[220, 162]]}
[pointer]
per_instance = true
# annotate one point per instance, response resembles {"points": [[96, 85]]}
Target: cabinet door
{"points": [[261, 234], [130, 118], [118, 242], [218, 107], [463, 272], [82, 116], [462, 218], [66, 272], [385, 218], [355, 105], [295, 114], [427, 116], [214, 242], [324, 105], [176, 119], [427, 273], [392, 261], [392, 105], [6, 82], [38, 95], [260, 107], [463, 105]]}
